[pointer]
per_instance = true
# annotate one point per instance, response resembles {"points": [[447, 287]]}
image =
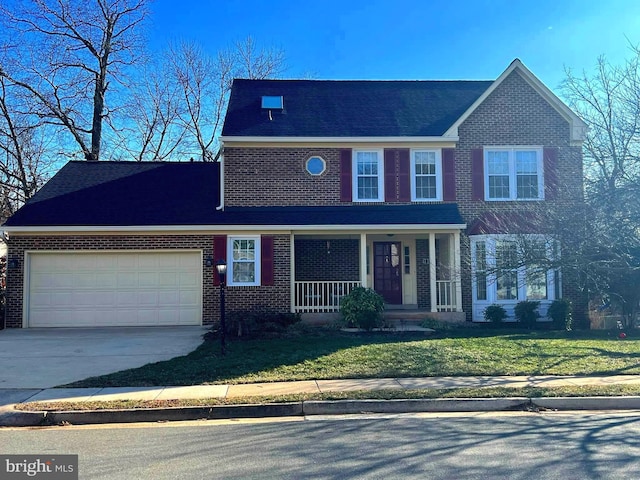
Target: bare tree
{"points": [[609, 102], [152, 128], [66, 54], [204, 83], [23, 164]]}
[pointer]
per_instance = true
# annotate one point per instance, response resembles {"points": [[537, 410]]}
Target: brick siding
{"points": [[422, 272], [317, 260], [515, 114]]}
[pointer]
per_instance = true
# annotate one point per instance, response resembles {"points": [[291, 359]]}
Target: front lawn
{"points": [[333, 355]]}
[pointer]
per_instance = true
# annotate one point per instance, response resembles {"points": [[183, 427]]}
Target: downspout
{"points": [[220, 159]]}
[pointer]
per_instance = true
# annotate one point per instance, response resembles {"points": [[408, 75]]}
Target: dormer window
{"points": [[272, 102]]}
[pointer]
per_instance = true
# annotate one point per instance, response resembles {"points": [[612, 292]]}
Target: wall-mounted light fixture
{"points": [[13, 263], [208, 261]]}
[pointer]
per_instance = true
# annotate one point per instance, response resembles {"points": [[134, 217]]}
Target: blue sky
{"points": [[411, 39]]}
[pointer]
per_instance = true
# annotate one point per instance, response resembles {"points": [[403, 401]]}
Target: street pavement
{"points": [[474, 446]]}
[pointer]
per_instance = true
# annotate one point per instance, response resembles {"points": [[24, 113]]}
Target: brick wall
{"points": [[277, 176], [337, 260], [422, 272], [276, 296], [514, 114]]}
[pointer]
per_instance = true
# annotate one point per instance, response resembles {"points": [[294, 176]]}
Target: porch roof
{"points": [[428, 214]]}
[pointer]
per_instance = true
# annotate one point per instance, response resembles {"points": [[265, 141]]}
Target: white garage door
{"points": [[114, 289]]}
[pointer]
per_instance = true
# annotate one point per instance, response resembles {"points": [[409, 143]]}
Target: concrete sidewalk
{"points": [[315, 386], [11, 417]]}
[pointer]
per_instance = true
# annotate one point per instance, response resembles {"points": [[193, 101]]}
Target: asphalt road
{"points": [[427, 446]]}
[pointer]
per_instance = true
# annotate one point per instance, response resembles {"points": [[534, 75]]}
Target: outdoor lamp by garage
{"points": [[221, 267]]}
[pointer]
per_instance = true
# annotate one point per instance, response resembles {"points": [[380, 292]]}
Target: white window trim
{"points": [[324, 165], [492, 294], [513, 192], [257, 260], [414, 196], [354, 175]]}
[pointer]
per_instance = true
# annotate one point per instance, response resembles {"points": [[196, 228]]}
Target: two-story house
{"points": [[417, 189]]}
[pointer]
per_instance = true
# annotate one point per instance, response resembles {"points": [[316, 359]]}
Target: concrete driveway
{"points": [[44, 358]]}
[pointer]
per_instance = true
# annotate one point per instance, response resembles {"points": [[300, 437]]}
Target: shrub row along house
{"points": [[416, 189]]}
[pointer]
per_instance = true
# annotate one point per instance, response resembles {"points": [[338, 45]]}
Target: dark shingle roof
{"points": [[425, 214], [325, 108], [123, 193], [164, 194]]}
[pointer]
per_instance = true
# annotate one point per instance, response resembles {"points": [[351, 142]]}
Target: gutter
{"points": [[220, 159]]}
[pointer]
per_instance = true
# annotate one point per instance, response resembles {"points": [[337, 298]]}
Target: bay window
{"points": [[507, 269]]}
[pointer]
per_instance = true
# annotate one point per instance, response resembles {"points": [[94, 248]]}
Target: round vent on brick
{"points": [[316, 165]]}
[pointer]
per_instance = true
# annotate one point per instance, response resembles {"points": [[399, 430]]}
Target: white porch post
{"points": [[363, 259], [292, 271], [457, 270], [432, 272]]}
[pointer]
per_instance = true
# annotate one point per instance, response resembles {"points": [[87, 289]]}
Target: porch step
{"points": [[418, 316], [406, 314]]}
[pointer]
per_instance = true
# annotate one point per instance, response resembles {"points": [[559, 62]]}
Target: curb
{"points": [[340, 407], [587, 403], [216, 412], [18, 418]]}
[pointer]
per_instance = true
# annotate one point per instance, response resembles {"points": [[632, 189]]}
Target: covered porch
{"points": [[414, 270]]}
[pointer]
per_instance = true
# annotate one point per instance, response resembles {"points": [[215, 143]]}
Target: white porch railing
{"points": [[446, 296], [321, 296]]}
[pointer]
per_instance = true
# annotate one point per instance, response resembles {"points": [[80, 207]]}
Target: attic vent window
{"points": [[272, 102]]}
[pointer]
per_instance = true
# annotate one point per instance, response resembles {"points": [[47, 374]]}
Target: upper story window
{"points": [[513, 173], [368, 176], [426, 175], [244, 261]]}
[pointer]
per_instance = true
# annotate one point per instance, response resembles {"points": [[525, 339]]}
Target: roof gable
{"points": [[577, 127]]}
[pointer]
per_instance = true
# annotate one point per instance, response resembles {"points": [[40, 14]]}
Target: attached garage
{"points": [[91, 289]]}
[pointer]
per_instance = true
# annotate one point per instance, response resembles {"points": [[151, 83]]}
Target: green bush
{"points": [[526, 312], [362, 308], [495, 313], [561, 313]]}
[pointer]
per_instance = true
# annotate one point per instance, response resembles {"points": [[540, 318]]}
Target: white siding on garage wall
{"points": [[86, 289]]}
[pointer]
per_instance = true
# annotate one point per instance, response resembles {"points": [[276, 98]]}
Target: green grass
{"points": [[332, 355]]}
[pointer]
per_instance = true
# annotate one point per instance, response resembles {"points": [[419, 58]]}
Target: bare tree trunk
{"points": [[63, 47]]}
